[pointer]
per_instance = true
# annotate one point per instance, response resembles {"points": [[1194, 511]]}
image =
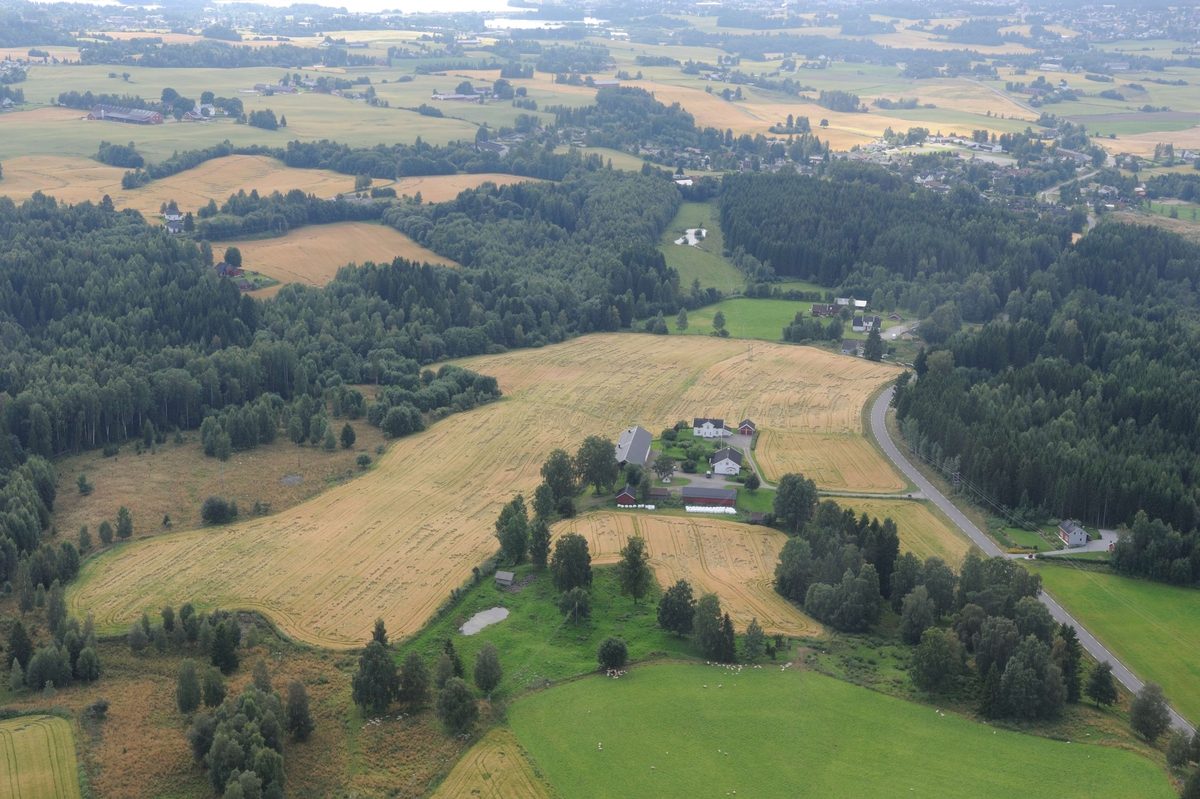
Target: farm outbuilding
{"points": [[135, 116], [627, 496], [505, 579], [633, 446], [709, 496], [746, 427], [727, 461]]}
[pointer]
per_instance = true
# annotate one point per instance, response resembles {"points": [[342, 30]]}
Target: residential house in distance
{"points": [[173, 216], [746, 427], [709, 496], [710, 428], [134, 116], [243, 284], [492, 147], [455, 97], [601, 83], [860, 305], [1072, 533], [633, 446], [727, 461], [627, 496], [825, 310], [228, 270], [174, 228], [865, 324], [851, 347]]}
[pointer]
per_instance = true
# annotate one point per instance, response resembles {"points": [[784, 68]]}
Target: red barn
{"points": [[746, 427], [709, 496], [627, 496]]}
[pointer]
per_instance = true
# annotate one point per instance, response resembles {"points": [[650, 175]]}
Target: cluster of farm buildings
{"points": [[633, 447]]}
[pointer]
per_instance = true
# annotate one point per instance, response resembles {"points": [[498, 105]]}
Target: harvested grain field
{"points": [[37, 759], [496, 767], [394, 542], [735, 561], [439, 188], [312, 255], [835, 461], [923, 530]]}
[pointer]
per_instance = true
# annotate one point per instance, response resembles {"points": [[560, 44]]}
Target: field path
{"points": [[394, 542], [989, 547]]}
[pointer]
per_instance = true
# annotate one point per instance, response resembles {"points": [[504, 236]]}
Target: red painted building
{"points": [[709, 496]]}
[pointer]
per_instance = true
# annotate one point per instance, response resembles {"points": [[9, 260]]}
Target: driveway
{"points": [[1107, 538]]}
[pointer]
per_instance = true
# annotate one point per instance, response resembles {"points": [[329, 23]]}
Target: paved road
{"points": [[1089, 642]]}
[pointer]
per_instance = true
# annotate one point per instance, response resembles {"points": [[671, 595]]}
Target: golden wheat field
{"points": [[835, 461], [37, 759], [313, 254], [494, 768], [923, 531], [394, 542], [735, 561]]}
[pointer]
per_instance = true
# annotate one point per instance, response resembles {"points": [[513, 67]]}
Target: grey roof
{"points": [[727, 452], [699, 422], [506, 578], [690, 492], [628, 489], [849, 346], [745, 422], [1071, 526], [633, 445], [122, 113]]}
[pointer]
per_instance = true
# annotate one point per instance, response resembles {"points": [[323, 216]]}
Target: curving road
{"points": [[989, 547]]}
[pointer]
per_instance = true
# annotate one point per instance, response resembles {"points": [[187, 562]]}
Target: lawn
{"points": [[745, 318], [536, 644], [704, 261], [37, 758], [658, 731], [1028, 539], [1153, 628]]}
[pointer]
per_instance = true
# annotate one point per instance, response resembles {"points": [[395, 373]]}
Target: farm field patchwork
{"points": [[834, 461], [494, 768], [767, 732], [393, 543], [733, 560], [37, 759], [312, 255], [1153, 628]]}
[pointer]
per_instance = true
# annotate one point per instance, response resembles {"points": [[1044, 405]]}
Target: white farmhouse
{"points": [[727, 461], [710, 428]]}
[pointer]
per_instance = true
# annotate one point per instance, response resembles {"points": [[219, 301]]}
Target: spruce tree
{"points": [[124, 523], [414, 680], [539, 542], [380, 633], [376, 682], [212, 687], [1101, 687], [188, 693], [299, 720]]}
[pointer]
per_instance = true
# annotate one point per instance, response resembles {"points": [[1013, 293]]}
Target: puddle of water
{"points": [[692, 236], [484, 618]]}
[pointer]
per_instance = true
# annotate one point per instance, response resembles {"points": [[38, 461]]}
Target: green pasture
{"points": [[745, 318], [536, 644], [705, 261], [1153, 628], [1027, 539], [620, 160], [659, 732]]}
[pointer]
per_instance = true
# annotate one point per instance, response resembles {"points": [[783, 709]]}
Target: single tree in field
{"points": [[677, 609], [1101, 687], [212, 684], [575, 604], [795, 500], [83, 485], [633, 569], [707, 625], [612, 653], [85, 539], [348, 436], [752, 481], [414, 680], [719, 320], [376, 683], [754, 643], [233, 256], [664, 466], [488, 673], [572, 563], [596, 463], [380, 632], [299, 720], [329, 443], [681, 321], [187, 687], [539, 542], [456, 706], [558, 472], [124, 523], [1148, 712], [873, 349]]}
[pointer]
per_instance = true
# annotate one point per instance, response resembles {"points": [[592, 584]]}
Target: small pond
{"points": [[692, 236], [484, 618]]}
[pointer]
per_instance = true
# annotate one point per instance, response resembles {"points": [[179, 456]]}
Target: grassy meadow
{"points": [[705, 260], [1153, 628], [37, 758], [686, 731]]}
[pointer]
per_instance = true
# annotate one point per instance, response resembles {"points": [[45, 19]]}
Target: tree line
{"points": [[276, 213], [151, 52]]}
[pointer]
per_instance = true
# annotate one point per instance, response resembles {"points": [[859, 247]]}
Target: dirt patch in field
{"points": [[735, 561]]}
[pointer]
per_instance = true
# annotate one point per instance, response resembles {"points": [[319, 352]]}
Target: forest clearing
{"points": [[326, 569], [733, 560], [311, 255], [37, 759]]}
